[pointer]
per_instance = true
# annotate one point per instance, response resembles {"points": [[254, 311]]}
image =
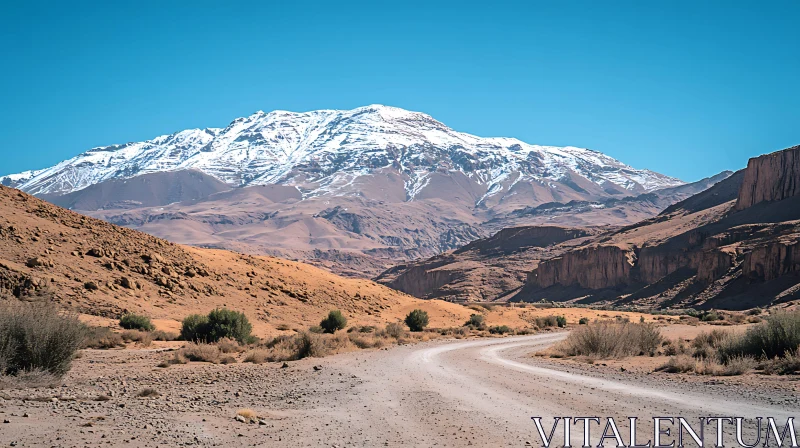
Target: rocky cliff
{"points": [[713, 249], [487, 269], [771, 177]]}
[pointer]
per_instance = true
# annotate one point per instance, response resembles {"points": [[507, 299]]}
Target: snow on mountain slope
{"points": [[326, 152]]}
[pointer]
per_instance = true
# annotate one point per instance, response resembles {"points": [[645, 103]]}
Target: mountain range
{"points": [[356, 191]]}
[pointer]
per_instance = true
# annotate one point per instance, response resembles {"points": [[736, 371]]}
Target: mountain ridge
{"points": [[320, 151]]}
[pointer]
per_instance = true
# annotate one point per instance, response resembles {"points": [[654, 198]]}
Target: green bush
{"points": [[501, 329], [546, 321], [132, 321], [220, 323], [710, 316], [225, 323], [583, 321], [35, 337], [334, 321], [417, 320], [195, 328], [475, 321], [561, 321]]}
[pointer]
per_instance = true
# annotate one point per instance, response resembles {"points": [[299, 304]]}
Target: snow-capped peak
{"points": [[323, 151]]}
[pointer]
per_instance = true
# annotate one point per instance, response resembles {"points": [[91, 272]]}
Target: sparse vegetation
{"points": [[101, 338], [335, 321], [501, 329], [220, 323], [417, 320], [200, 353], [132, 321], [143, 338], [475, 321], [583, 321], [37, 337], [545, 321], [611, 340], [561, 321], [148, 392], [395, 330], [776, 337]]}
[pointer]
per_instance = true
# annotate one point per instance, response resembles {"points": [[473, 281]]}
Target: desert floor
{"points": [[478, 392]]}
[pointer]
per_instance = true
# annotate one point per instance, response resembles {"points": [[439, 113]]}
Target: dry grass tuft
{"points": [[612, 340], [148, 392], [200, 353]]}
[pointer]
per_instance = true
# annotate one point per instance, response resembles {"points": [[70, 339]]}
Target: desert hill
{"points": [[102, 270]]}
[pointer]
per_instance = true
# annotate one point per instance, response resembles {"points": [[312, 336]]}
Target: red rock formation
{"points": [[593, 268], [770, 177], [772, 260]]}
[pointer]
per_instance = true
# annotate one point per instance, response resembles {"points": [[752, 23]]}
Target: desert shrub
{"points": [[335, 321], [200, 353], [546, 321], [678, 364], [754, 312], [305, 345], [561, 321], [220, 323], [101, 338], [257, 356], [612, 340], [141, 337], [583, 321], [132, 321], [710, 316], [417, 320], [37, 337], [501, 329], [395, 330], [160, 335], [148, 392], [228, 345], [366, 340], [194, 328], [227, 360], [778, 335], [788, 364], [316, 329], [225, 323], [475, 321], [738, 365]]}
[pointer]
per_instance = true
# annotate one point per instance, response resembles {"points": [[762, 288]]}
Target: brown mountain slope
{"points": [[485, 270], [716, 249], [100, 269], [363, 234], [495, 268]]}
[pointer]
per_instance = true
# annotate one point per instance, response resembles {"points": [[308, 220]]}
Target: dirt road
{"points": [[458, 393]]}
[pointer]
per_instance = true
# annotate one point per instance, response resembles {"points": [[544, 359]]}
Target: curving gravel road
{"points": [[442, 393]]}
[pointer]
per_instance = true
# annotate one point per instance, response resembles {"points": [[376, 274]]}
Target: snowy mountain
{"points": [[336, 152]]}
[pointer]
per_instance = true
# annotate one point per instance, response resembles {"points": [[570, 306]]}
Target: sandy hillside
{"points": [[102, 271]]}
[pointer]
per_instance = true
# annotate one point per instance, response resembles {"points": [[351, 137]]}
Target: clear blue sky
{"points": [[685, 88]]}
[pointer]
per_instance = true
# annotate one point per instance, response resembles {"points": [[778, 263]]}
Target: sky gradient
{"points": [[687, 89]]}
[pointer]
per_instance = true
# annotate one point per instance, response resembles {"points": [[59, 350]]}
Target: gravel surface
{"points": [[444, 393]]}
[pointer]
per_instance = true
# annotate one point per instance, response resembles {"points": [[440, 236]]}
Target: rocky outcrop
{"points": [[713, 248], [770, 261], [771, 177], [592, 268]]}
